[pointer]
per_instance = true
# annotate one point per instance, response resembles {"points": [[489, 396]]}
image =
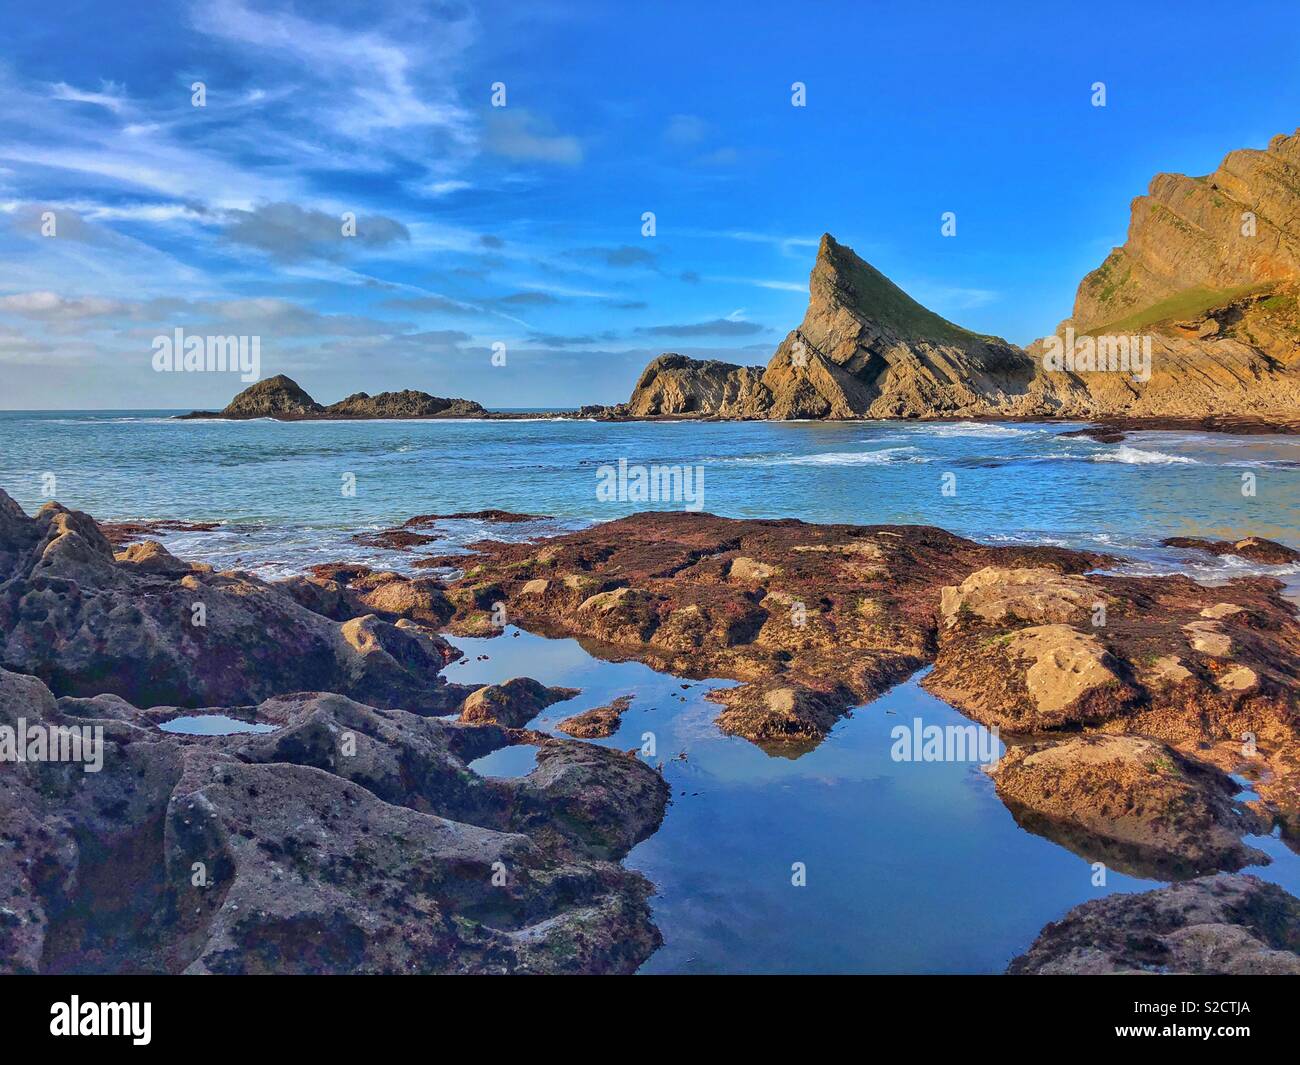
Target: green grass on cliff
{"points": [[880, 299], [1190, 303]]}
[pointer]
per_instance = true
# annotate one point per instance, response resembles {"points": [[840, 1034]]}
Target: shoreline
{"points": [[1228, 425]]}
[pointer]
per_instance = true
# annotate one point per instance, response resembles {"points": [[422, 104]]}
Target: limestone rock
{"points": [[1132, 803], [349, 840], [512, 704], [1224, 924]]}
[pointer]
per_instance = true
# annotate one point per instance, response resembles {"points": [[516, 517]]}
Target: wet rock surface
{"points": [[1126, 701], [121, 533], [1212, 672], [1254, 548], [597, 723], [512, 704], [1132, 803], [351, 839], [1172, 684], [1229, 923], [153, 629], [813, 618]]}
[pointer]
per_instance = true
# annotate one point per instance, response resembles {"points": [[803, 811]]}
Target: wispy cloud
{"points": [[519, 134], [109, 96], [717, 327]]}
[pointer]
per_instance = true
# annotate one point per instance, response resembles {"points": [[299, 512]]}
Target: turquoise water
{"points": [[910, 867], [278, 485]]}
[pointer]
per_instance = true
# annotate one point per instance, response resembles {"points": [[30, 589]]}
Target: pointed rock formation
{"points": [[1195, 318], [865, 349]]}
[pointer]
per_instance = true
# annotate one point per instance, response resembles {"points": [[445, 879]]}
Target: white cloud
{"points": [[110, 96]]}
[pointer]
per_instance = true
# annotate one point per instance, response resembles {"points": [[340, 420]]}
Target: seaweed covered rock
{"points": [[349, 839], [1226, 924]]}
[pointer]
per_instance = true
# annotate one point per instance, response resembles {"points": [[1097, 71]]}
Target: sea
{"points": [[840, 859]]}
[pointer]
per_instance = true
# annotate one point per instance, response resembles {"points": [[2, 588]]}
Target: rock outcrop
{"points": [[405, 404], [1206, 284], [599, 722], [281, 397], [1224, 924], [1254, 548], [1194, 240], [676, 385], [1212, 672], [865, 349], [1132, 803], [348, 840], [274, 397], [513, 704], [813, 620], [152, 629]]}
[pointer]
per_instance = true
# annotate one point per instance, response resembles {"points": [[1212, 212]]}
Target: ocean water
{"points": [[278, 486], [910, 867]]}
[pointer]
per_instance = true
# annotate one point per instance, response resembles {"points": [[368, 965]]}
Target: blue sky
{"points": [[522, 224]]}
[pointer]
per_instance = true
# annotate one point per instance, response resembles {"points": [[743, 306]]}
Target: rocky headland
{"points": [[1207, 279], [1209, 273]]}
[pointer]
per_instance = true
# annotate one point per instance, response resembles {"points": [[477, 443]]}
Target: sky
{"points": [[479, 225]]}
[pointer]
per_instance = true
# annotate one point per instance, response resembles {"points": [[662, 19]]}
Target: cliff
{"points": [[1203, 294]]}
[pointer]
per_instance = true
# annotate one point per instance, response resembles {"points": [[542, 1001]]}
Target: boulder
{"points": [[512, 704], [1132, 803], [1228, 924]]}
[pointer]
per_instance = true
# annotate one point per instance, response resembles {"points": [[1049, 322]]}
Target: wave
{"points": [[942, 429], [1137, 457], [883, 457]]}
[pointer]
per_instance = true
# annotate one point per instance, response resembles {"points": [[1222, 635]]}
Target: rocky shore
{"points": [[1194, 321], [1127, 701], [353, 836]]}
